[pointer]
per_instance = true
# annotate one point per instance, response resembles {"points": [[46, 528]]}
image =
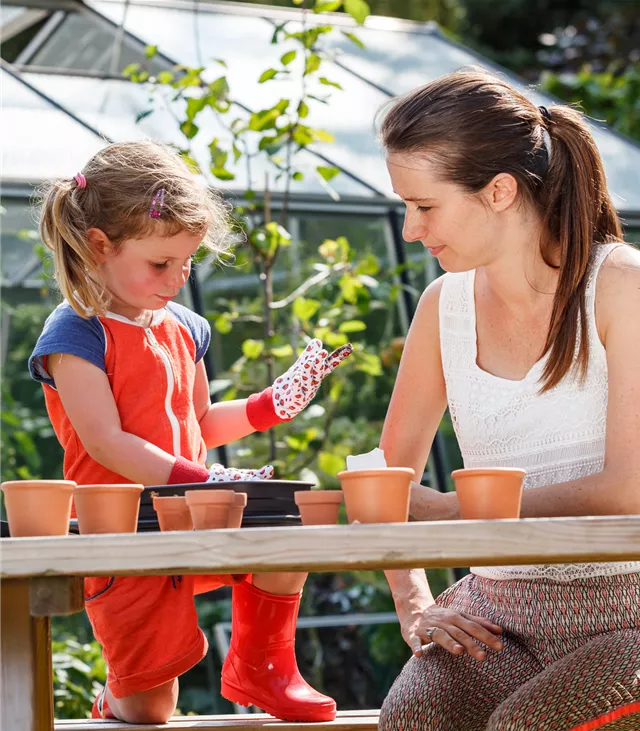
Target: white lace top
{"points": [[556, 437]]}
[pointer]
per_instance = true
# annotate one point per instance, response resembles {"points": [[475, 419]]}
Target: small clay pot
{"points": [[319, 507], [107, 508], [486, 494], [209, 508], [377, 496], [173, 513], [236, 511], [38, 507]]}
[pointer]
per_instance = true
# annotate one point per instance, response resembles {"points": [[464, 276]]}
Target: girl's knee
{"points": [[151, 706]]}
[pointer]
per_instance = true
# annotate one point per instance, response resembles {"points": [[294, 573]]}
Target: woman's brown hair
{"points": [[474, 126], [115, 195]]}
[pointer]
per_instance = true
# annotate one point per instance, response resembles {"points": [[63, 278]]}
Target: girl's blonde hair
{"points": [[121, 182]]}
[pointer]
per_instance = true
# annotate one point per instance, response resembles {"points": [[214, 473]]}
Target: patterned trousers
{"points": [[571, 661]]}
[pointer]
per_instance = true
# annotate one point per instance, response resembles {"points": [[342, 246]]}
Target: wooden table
{"points": [[42, 577]]}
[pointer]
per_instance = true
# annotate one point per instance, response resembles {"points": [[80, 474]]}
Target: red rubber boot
{"points": [[261, 667]]}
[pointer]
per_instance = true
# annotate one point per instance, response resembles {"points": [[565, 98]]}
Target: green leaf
{"points": [[302, 135], [288, 57], [330, 463], [189, 129], [369, 363], [266, 75], [283, 351], [327, 82], [252, 348], [327, 6], [222, 173], [358, 10], [191, 162], [151, 51], [353, 38], [312, 64], [265, 119], [223, 323], [219, 88], [130, 69], [304, 309], [335, 340], [322, 135], [164, 77], [336, 389], [303, 109], [328, 173], [368, 265], [352, 326], [220, 61], [298, 176], [237, 152], [349, 287], [195, 104]]}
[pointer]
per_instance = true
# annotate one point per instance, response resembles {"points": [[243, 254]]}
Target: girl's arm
{"points": [[220, 423], [88, 401]]}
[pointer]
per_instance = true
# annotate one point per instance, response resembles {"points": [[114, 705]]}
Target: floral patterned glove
{"points": [[292, 392], [218, 473]]}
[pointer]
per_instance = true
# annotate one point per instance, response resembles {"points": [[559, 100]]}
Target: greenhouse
{"points": [[65, 97]]}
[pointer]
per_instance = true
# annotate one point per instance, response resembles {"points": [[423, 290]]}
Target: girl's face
{"points": [[145, 274], [461, 230]]}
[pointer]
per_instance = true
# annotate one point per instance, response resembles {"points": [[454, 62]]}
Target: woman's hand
{"points": [[456, 632]]}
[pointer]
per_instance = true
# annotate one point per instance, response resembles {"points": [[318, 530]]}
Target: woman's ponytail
{"points": [[577, 213]]}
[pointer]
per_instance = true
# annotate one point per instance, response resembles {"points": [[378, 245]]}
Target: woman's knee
{"points": [[151, 706], [434, 693]]}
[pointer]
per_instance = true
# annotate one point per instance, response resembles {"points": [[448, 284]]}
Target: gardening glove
{"points": [[186, 472], [218, 473], [292, 392]]}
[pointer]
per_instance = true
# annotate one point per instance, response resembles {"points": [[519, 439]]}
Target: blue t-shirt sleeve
{"points": [[66, 332], [197, 325]]}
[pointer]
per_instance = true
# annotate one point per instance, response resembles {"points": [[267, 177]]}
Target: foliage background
{"points": [[583, 51]]}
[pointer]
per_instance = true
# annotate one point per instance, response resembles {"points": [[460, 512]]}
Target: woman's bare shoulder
{"points": [[618, 286]]}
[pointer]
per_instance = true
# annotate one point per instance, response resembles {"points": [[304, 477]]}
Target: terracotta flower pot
{"points": [[377, 496], [38, 507], [173, 512], [107, 508], [236, 511], [485, 494], [319, 507], [209, 508]]}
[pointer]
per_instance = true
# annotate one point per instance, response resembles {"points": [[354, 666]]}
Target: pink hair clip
{"points": [[156, 206], [81, 181]]}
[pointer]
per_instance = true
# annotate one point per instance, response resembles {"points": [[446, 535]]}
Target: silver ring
{"points": [[430, 632]]}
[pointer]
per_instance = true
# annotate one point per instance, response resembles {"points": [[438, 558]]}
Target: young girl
{"points": [[532, 340], [128, 396]]}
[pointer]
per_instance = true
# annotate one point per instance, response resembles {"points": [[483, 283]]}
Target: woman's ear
{"points": [[100, 244], [501, 192]]}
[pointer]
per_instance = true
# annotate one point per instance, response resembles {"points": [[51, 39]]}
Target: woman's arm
{"points": [[417, 405], [220, 423], [88, 401]]}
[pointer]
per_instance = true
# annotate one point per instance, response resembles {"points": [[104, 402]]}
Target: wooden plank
{"points": [[328, 548], [51, 596], [345, 721], [25, 663]]}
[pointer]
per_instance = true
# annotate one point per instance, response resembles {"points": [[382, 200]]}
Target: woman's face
{"points": [[463, 231]]}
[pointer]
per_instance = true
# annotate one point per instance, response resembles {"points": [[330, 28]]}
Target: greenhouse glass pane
{"points": [[244, 44], [10, 12], [85, 41], [41, 142], [111, 107], [398, 61], [19, 261]]}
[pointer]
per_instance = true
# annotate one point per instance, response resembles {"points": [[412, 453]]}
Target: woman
{"points": [[532, 340]]}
